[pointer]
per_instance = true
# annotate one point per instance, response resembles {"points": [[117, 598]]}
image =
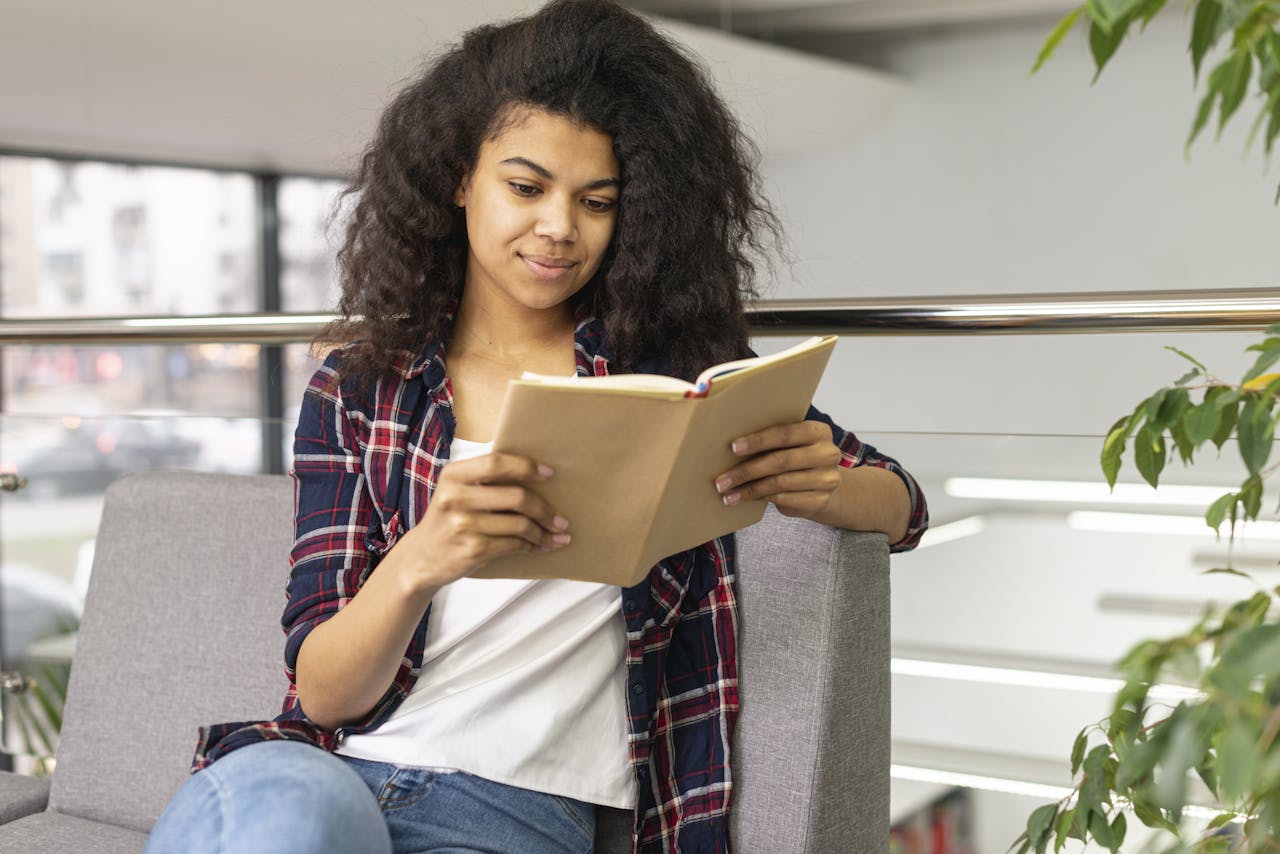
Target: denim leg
{"points": [[459, 813], [280, 796]]}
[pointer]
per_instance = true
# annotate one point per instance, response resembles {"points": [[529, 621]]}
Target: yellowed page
{"points": [[612, 454], [692, 511]]}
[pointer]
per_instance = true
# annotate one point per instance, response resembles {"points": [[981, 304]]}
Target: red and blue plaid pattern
{"points": [[365, 468]]}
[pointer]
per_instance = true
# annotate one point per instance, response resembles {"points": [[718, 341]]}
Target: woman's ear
{"points": [[460, 194]]}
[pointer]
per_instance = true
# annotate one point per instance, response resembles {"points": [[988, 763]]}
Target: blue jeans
{"points": [[285, 797]]}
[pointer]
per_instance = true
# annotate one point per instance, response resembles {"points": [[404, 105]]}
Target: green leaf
{"points": [[1236, 762], [1273, 123], [1188, 377], [1202, 422], [1217, 512], [1118, 828], [1066, 819], [1149, 455], [1040, 825], [1151, 816], [1251, 497], [1138, 765], [1077, 750], [1148, 9], [1192, 359], [1270, 354], [1094, 791], [1233, 80], [1204, 31], [1103, 45], [1113, 449], [1151, 408], [1255, 434], [1186, 450], [1101, 831], [1220, 820], [1174, 403], [1055, 38], [1228, 423], [1202, 117]]}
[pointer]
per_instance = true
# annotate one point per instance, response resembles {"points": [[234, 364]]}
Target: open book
{"points": [[636, 457]]}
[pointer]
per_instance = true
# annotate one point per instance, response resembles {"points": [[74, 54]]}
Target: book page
{"points": [[707, 378], [612, 454], [669, 387], [692, 511]]}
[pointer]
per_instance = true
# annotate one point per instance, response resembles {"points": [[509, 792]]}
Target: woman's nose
{"points": [[556, 220]]}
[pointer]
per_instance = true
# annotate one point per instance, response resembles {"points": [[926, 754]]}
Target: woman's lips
{"points": [[546, 267]]}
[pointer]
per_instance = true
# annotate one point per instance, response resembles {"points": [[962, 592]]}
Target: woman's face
{"points": [[540, 205]]}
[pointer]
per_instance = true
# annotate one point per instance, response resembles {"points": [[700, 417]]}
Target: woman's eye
{"points": [[598, 205], [523, 189]]}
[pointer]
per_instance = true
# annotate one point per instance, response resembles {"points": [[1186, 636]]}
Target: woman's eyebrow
{"points": [[545, 173]]}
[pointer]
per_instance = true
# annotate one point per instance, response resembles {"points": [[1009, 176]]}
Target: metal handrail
{"points": [[1012, 314]]}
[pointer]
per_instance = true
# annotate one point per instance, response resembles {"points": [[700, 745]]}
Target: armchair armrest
{"points": [[811, 767], [21, 795]]}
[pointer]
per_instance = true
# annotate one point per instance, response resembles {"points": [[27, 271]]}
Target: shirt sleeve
{"points": [[332, 512], [855, 453]]}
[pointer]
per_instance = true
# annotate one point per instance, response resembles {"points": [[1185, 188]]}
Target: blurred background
{"points": [[178, 160]]}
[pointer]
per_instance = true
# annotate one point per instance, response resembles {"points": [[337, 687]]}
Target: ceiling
{"points": [[296, 85], [793, 17]]}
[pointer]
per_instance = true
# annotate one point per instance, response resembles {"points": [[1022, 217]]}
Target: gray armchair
{"points": [[181, 629]]}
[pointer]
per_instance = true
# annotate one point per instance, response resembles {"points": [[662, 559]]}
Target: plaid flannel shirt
{"points": [[365, 469]]}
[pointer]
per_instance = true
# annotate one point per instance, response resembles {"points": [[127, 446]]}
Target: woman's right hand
{"points": [[482, 509]]}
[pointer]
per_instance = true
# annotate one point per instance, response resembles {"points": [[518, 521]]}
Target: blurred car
{"points": [[92, 454]]}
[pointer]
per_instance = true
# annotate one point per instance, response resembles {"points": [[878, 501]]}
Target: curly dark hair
{"points": [[692, 222]]}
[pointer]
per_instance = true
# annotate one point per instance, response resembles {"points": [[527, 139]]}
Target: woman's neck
{"points": [[510, 334]]}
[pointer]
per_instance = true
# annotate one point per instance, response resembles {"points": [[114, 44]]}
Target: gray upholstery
{"points": [[181, 629], [21, 795]]}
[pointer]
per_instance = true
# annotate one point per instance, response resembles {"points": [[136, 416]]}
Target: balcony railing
{"points": [[1009, 314]]}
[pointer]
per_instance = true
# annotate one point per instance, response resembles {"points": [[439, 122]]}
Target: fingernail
{"points": [[739, 446], [723, 484], [732, 498], [545, 471], [560, 539], [560, 523]]}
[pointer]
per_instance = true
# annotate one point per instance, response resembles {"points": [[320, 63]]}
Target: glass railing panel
{"points": [[1034, 580], [164, 381], [48, 528]]}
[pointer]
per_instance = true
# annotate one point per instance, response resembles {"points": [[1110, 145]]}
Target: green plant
{"points": [[1252, 53], [1141, 758]]}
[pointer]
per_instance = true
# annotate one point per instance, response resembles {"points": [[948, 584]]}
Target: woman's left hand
{"points": [[795, 466]]}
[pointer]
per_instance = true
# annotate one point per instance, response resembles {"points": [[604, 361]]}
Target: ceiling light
{"points": [[1143, 523], [966, 527], [1081, 492], [979, 781], [1030, 678]]}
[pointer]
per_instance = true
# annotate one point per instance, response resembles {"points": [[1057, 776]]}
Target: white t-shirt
{"points": [[522, 683]]}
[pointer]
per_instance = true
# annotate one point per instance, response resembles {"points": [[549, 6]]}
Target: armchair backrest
{"points": [[181, 628]]}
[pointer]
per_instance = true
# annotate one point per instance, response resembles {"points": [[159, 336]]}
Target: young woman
{"points": [[563, 194]]}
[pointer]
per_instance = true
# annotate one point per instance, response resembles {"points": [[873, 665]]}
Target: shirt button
{"points": [[629, 604], [637, 688], [643, 771]]}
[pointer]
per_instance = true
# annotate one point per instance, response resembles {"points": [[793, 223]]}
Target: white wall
{"points": [[985, 181]]}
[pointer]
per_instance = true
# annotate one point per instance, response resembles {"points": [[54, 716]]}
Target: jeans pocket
{"points": [[581, 814], [405, 788]]}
